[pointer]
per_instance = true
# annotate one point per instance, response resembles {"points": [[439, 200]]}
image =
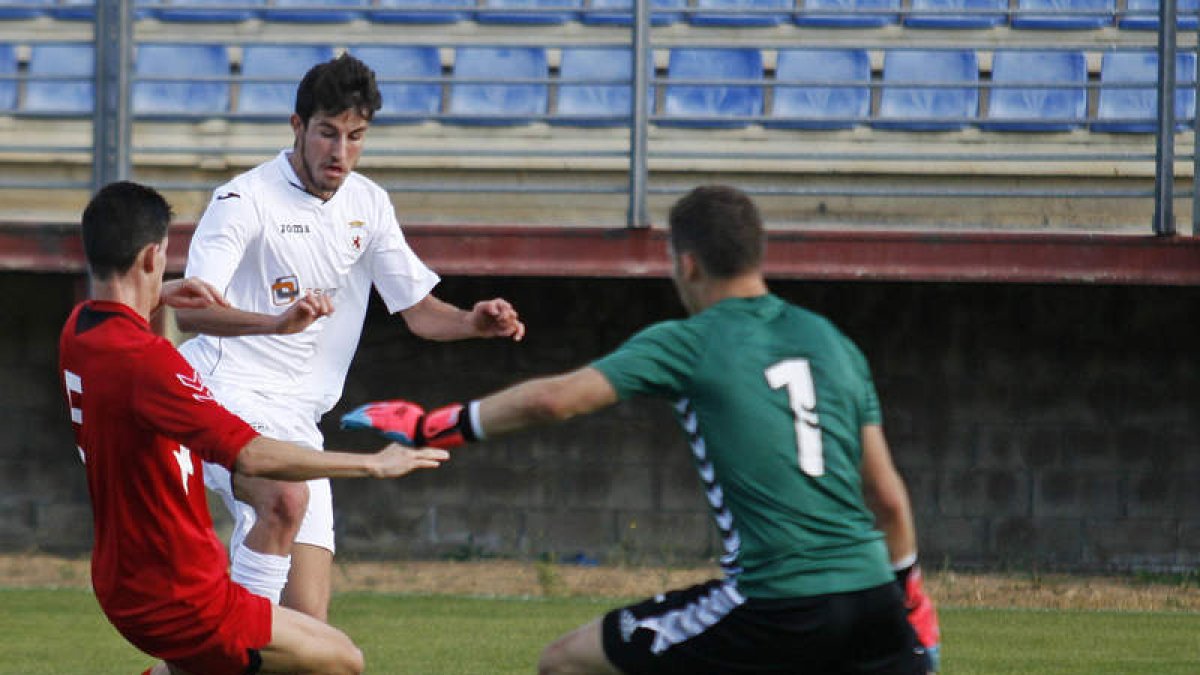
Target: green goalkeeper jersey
{"points": [[772, 398]]}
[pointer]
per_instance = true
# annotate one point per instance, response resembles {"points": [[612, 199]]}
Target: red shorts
{"points": [[228, 646]]}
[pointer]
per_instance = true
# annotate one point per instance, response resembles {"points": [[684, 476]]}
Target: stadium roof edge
{"points": [[862, 255]]}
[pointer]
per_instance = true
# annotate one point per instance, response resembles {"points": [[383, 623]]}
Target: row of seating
{"points": [[811, 88], [947, 14]]}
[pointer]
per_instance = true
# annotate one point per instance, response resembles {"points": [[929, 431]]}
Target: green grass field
{"points": [[62, 631]]}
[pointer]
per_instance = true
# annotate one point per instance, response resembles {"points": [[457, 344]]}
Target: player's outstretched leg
{"points": [[302, 644], [580, 652]]}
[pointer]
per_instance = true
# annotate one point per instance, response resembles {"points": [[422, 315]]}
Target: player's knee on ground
{"points": [[558, 657]]}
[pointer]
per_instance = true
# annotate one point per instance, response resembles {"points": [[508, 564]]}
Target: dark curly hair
{"points": [[335, 86]]}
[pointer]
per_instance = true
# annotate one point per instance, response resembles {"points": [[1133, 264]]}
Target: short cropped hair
{"points": [[721, 226], [119, 221], [333, 87]]}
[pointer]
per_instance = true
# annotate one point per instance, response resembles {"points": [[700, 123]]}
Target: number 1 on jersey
{"points": [[796, 376]]}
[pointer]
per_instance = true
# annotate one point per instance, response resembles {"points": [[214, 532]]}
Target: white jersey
{"points": [[265, 241]]}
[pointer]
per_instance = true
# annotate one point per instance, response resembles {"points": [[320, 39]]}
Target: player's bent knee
{"points": [[285, 505]]}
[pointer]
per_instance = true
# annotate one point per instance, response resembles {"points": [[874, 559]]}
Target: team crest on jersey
{"points": [[285, 290], [193, 382], [358, 237]]}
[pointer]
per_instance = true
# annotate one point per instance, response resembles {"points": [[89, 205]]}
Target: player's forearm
{"points": [[268, 458], [434, 319], [226, 322], [545, 400]]}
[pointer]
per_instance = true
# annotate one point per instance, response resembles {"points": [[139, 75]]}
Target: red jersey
{"points": [[143, 420]]}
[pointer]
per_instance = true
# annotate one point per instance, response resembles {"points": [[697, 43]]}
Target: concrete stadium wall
{"points": [[1036, 425]]}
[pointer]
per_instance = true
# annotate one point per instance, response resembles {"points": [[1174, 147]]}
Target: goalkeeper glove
{"points": [[921, 614], [408, 423]]}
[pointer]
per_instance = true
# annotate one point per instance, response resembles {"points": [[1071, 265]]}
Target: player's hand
{"points": [[497, 318], [397, 460], [408, 423], [921, 614], [191, 293], [303, 313]]}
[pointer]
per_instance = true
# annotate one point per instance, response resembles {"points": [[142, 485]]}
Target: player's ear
{"points": [[297, 124], [689, 267], [147, 258]]}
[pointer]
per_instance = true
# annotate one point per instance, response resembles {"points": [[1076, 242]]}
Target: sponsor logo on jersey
{"points": [[228, 195], [285, 290], [294, 228]]}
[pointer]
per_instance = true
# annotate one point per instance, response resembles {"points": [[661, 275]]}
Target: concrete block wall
{"points": [[1049, 426]]}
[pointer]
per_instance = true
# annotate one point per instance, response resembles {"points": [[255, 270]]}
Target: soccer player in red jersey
{"points": [[143, 420]]}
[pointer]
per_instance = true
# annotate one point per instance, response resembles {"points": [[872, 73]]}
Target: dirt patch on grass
{"points": [[515, 578]]}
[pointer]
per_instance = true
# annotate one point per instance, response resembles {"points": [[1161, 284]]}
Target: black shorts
{"points": [[710, 628]]}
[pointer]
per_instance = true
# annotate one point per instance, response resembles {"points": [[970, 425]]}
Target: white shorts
{"points": [[285, 420]]}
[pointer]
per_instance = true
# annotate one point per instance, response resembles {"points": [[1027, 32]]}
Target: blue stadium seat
{"points": [[1135, 110], [61, 97], [762, 16], [405, 101], [12, 9], [208, 11], [181, 99], [817, 107], [1186, 13], [554, 15], [315, 11], [288, 64], [85, 10], [620, 12], [1033, 109], [498, 103], [848, 13], [402, 11], [939, 19], [917, 108], [597, 104], [1062, 14], [8, 88], [720, 105]]}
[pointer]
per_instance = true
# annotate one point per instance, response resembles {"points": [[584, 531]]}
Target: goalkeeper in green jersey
{"points": [[784, 425]]}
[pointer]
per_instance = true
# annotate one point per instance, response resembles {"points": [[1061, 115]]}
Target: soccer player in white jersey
{"points": [[296, 244]]}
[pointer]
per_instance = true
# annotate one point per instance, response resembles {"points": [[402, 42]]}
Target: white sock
{"points": [[261, 573]]}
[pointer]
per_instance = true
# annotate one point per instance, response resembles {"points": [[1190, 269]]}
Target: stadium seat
{"points": [[916, 108], [1034, 109], [59, 96], [85, 10], [404, 11], [848, 13], [554, 15], [1064, 14], [182, 98], [1135, 110], [23, 9], [620, 12], [288, 64], [404, 102], [817, 107], [597, 104], [314, 11], [762, 13], [716, 105], [938, 18], [8, 88], [1145, 15], [498, 103], [208, 11]]}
